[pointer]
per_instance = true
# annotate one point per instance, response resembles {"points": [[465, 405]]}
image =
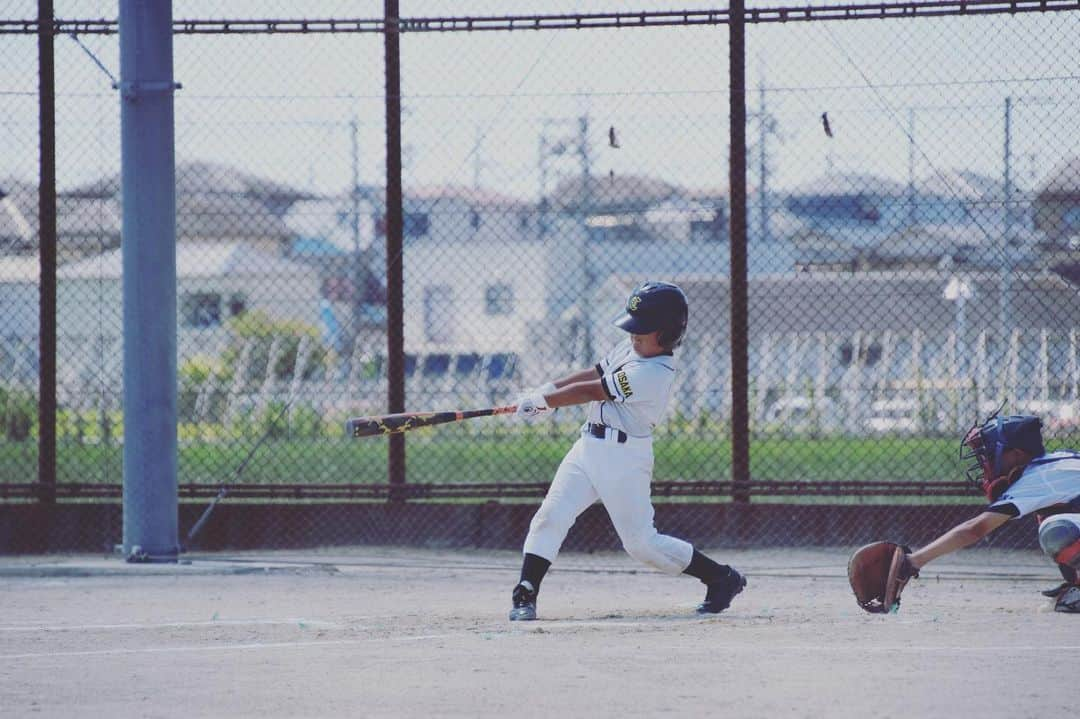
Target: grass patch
{"points": [[436, 458]]}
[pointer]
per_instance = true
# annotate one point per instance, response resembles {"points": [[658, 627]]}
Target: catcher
{"points": [[1018, 477]]}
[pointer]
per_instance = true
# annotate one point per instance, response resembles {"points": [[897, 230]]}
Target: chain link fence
{"points": [[912, 227]]}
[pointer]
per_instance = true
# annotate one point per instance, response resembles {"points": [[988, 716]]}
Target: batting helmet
{"points": [[1001, 446], [656, 306]]}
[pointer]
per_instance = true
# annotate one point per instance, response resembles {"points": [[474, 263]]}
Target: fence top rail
{"points": [[579, 21]]}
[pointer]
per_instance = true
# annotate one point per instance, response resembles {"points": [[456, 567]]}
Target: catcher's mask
{"points": [[1001, 448], [656, 306]]}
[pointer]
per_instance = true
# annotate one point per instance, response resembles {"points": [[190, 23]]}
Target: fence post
{"points": [[47, 257], [395, 303], [740, 409]]}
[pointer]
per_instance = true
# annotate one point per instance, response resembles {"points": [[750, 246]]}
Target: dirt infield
{"points": [[395, 633]]}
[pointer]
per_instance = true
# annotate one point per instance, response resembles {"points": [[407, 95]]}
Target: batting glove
{"points": [[546, 388], [530, 405]]}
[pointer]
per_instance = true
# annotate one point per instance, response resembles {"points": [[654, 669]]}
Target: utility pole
{"points": [[359, 278], [478, 157], [765, 127], [1006, 238], [911, 167], [148, 172], [585, 301], [558, 141]]}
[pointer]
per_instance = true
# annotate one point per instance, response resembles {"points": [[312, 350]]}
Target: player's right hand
{"points": [[530, 404]]}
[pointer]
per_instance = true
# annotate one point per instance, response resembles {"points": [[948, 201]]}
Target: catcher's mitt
{"points": [[878, 574]]}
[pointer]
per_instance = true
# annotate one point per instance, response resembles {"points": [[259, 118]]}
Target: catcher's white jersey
{"points": [[619, 474], [1051, 479], [638, 389]]}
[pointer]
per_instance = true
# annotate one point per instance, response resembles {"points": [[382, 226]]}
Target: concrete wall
{"points": [[32, 528]]}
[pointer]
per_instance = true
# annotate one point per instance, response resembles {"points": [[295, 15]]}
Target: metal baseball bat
{"points": [[405, 421]]}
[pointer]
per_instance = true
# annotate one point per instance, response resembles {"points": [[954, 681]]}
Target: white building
{"points": [[215, 282], [475, 271], [19, 312]]}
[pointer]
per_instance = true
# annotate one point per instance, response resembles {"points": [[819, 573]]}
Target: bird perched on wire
{"points": [[825, 124], [613, 141]]}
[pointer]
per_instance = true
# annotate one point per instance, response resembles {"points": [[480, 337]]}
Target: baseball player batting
{"points": [[1018, 477], [627, 393]]}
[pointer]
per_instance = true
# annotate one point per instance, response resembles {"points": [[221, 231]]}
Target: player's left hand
{"points": [[878, 573], [906, 571], [530, 405]]}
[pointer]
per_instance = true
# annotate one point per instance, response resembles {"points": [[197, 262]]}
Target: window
{"points": [[1071, 219], [237, 305], [416, 224], [500, 365], [201, 310], [439, 313], [466, 364], [869, 355], [436, 365], [499, 300]]}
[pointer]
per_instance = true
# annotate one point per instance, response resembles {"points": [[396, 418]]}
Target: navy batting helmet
{"points": [[988, 443], [656, 306]]}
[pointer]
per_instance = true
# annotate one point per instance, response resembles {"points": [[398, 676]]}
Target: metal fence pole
{"points": [[395, 300], [47, 257], [149, 281], [740, 412]]}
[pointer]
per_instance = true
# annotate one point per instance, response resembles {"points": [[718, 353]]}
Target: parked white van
{"points": [[800, 415], [894, 416]]}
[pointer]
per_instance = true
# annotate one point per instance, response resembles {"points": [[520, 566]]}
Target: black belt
{"points": [[600, 432]]}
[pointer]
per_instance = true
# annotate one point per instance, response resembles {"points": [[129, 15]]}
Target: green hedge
{"points": [[524, 457]]}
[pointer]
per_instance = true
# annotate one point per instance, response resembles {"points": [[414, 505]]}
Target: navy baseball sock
{"points": [[706, 569], [533, 569]]}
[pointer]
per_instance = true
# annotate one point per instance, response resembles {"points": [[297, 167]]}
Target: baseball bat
{"points": [[405, 421]]}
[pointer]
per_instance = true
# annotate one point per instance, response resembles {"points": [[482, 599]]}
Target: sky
{"points": [[917, 96]]}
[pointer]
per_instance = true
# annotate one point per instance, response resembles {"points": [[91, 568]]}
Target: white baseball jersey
{"points": [[619, 474], [638, 389], [1051, 479]]}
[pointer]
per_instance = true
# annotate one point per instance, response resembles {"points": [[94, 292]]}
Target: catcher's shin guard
{"points": [[1068, 602], [1059, 538]]}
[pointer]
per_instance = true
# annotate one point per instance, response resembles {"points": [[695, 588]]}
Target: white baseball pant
{"points": [[618, 475]]}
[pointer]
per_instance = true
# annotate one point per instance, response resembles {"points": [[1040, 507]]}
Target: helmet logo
{"points": [[633, 303]]}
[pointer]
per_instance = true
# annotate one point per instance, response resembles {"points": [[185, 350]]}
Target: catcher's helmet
{"points": [[656, 306], [988, 443]]}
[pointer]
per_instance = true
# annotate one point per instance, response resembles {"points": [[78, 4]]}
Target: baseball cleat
{"points": [[1054, 591], [719, 594], [524, 604]]}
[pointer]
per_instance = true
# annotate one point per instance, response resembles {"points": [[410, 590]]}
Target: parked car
{"points": [[802, 415], [1057, 415], [894, 416]]}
